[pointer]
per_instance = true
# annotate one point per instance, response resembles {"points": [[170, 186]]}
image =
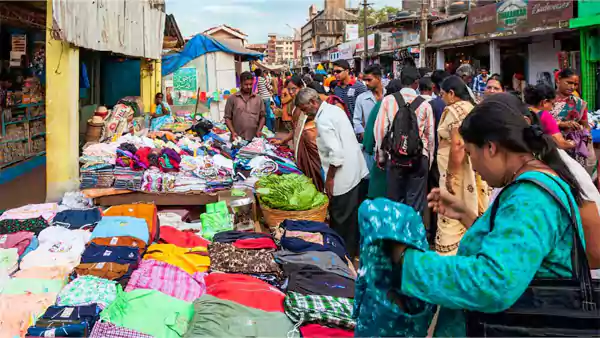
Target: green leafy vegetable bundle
{"points": [[289, 192]]}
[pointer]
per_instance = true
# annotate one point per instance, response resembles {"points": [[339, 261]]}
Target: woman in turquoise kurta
{"points": [[377, 180], [531, 238]]}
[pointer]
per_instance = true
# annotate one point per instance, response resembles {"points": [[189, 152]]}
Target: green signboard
{"points": [[185, 86], [511, 14]]}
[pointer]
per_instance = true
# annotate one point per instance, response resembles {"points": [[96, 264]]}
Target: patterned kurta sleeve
{"points": [[528, 227]]}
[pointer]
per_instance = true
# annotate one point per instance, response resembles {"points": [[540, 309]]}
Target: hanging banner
{"points": [[360, 45], [511, 14], [185, 86], [346, 51], [351, 32]]}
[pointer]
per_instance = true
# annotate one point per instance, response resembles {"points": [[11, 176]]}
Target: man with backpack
{"points": [[404, 138]]}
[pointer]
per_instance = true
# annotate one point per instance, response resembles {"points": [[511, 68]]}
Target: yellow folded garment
{"points": [[191, 260]]}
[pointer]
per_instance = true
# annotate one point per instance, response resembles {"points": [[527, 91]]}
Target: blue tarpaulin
{"points": [[200, 45]]}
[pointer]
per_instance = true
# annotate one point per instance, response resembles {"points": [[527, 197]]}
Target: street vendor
{"points": [[162, 107], [163, 113], [245, 111]]}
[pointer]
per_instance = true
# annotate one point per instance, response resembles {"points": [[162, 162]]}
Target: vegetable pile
{"points": [[290, 192]]}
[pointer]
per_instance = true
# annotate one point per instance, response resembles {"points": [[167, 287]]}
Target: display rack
{"points": [[23, 133]]}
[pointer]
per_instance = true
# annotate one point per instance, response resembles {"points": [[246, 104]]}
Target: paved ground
{"points": [[25, 189]]}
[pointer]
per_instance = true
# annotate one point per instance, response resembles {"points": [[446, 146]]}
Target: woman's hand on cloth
{"points": [[569, 125], [448, 205], [276, 141]]}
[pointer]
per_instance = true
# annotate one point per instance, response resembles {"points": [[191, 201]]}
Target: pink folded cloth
{"points": [[19, 240], [108, 330], [168, 279]]}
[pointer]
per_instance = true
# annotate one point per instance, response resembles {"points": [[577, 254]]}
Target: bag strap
{"points": [[579, 261], [399, 99], [416, 103]]}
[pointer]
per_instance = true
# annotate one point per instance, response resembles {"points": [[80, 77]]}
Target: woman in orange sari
{"points": [[303, 137]]}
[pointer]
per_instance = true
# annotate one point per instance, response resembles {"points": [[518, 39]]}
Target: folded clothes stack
{"points": [[127, 179], [82, 272]]}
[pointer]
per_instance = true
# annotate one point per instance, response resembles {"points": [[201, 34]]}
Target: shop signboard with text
{"points": [[449, 30], [386, 41], [511, 14], [351, 32], [405, 37], [482, 20], [544, 12], [185, 85], [360, 45], [346, 51]]}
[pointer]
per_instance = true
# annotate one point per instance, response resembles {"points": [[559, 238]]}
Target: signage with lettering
{"points": [[511, 14], [449, 30], [405, 37], [346, 51], [544, 12], [482, 20], [360, 45], [387, 42], [351, 32], [185, 83]]}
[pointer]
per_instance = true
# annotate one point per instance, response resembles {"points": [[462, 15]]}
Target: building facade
{"points": [[325, 29], [281, 49]]}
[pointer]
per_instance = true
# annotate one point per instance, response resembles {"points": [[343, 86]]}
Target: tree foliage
{"points": [[374, 16]]}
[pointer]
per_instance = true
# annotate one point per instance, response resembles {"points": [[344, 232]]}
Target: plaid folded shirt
{"points": [[108, 330], [336, 311]]}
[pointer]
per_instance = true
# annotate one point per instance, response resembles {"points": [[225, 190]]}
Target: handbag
{"points": [[549, 307]]}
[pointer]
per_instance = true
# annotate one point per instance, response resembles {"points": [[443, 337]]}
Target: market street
{"points": [[276, 168]]}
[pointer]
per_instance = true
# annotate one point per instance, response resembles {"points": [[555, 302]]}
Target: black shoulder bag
{"points": [[549, 307]]}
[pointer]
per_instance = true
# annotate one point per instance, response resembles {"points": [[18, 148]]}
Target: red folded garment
{"points": [[246, 290], [170, 235], [319, 331], [255, 243]]}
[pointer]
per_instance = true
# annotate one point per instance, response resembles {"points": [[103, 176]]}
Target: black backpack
{"points": [[402, 142]]}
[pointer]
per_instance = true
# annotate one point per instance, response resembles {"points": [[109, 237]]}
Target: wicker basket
{"points": [[274, 217]]}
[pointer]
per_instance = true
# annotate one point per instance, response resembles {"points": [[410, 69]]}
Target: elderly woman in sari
{"points": [[304, 137], [571, 113]]}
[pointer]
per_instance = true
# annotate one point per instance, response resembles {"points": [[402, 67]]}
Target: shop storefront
{"points": [[588, 24], [453, 48], [523, 41], [22, 93]]}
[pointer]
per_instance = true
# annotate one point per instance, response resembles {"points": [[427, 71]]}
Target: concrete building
{"points": [[325, 29], [281, 49]]}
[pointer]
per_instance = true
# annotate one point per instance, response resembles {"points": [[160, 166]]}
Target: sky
{"points": [[257, 18]]}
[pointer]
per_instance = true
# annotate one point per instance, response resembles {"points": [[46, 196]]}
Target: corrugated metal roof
{"points": [[132, 28]]}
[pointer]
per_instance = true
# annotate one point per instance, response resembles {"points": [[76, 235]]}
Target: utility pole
{"points": [[424, 26], [365, 34]]}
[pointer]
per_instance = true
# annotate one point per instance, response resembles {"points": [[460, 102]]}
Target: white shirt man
{"points": [[342, 162], [338, 147]]}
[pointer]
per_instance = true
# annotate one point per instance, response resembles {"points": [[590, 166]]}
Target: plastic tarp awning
{"points": [[200, 45]]}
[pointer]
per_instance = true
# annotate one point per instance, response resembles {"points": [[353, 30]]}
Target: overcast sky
{"points": [[256, 18]]}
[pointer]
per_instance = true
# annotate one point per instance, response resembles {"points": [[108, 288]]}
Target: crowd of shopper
{"points": [[463, 185]]}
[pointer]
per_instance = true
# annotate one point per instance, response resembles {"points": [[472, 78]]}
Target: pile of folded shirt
{"points": [[116, 273], [127, 179], [100, 178]]}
